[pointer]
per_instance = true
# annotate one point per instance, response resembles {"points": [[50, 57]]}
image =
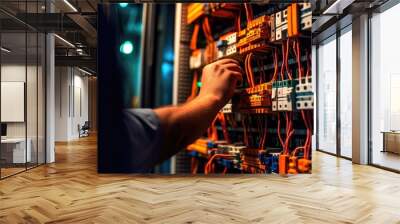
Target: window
{"points": [[345, 42], [385, 89], [326, 107]]}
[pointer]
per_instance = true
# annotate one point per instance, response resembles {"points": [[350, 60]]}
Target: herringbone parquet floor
{"points": [[70, 191]]}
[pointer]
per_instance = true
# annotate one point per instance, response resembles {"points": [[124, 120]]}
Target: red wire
{"points": [[283, 62], [286, 60], [249, 12], [193, 41], [275, 65]]}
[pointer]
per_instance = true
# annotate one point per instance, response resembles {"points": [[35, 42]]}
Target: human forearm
{"points": [[183, 124]]}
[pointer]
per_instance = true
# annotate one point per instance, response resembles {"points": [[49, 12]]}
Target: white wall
{"points": [[61, 103], [16, 73], [12, 73], [71, 102], [33, 127]]}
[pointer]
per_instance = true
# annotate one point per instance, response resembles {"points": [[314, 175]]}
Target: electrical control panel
{"points": [[267, 125]]}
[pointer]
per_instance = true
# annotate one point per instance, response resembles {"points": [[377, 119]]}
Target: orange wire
{"points": [[193, 41]]}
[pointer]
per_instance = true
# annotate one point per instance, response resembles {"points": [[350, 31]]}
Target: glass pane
{"points": [[346, 94], [327, 96], [41, 99], [13, 89], [385, 84], [31, 97]]}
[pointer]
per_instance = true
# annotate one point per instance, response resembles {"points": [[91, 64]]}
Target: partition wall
{"points": [[22, 77]]}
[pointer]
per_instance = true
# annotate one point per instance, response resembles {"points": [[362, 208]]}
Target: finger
{"points": [[233, 67], [228, 60], [237, 80], [237, 76]]}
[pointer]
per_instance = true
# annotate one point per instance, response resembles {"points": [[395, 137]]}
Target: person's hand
{"points": [[219, 80]]}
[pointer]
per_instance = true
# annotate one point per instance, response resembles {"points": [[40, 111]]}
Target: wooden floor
{"points": [[70, 191]]}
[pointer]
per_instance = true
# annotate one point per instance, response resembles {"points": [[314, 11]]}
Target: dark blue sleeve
{"points": [[144, 137]]}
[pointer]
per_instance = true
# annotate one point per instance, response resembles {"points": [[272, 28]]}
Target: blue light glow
{"points": [[169, 55], [166, 69], [126, 47], [123, 5]]}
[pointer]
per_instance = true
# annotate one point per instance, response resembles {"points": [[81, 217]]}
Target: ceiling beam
{"points": [[81, 61]]}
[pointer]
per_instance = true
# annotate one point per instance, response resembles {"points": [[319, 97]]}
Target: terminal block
{"points": [[195, 11], [242, 33], [292, 165], [201, 146], [252, 158], [281, 18], [304, 165], [231, 50], [256, 99], [226, 45], [281, 33], [227, 109], [283, 95], [283, 164], [264, 88], [272, 27], [222, 10], [271, 161], [231, 38], [222, 47], [290, 22], [254, 47], [293, 20], [281, 25], [255, 36], [230, 148], [304, 94], [305, 16], [196, 59]]}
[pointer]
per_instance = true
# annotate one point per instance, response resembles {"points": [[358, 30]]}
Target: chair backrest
{"points": [[86, 125]]}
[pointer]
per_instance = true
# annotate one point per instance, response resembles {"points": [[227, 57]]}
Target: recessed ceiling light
{"points": [[64, 40], [70, 5], [5, 50], [84, 71]]}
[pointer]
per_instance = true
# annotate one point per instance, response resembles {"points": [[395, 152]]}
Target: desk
{"points": [[13, 150], [391, 141]]}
